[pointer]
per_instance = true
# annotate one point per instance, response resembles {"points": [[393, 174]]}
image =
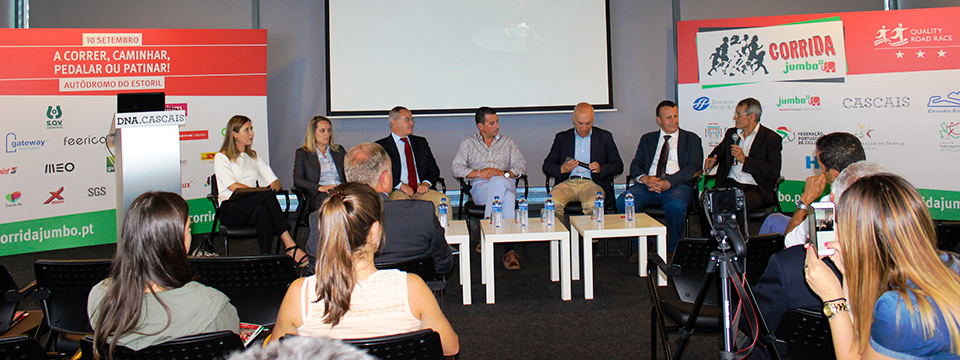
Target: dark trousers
{"points": [[262, 209], [675, 202]]}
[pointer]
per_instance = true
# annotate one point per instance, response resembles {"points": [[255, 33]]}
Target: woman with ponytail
{"points": [[150, 296], [348, 297]]}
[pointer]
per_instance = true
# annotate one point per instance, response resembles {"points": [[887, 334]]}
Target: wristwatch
{"points": [[801, 205], [832, 308]]}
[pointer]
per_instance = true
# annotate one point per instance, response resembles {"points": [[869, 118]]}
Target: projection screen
{"points": [[454, 56]]}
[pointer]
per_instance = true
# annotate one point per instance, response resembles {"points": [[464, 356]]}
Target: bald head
{"points": [[583, 119]]}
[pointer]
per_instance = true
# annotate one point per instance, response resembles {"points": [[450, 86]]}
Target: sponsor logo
{"points": [[736, 55], [8, 171], [876, 102], [111, 164], [713, 134], [55, 197], [207, 156], [13, 144], [82, 141], [701, 103], [894, 37], [193, 135], [53, 117], [808, 138], [825, 66], [173, 107], [949, 104], [183, 162], [813, 46], [864, 131], [812, 162], [12, 199], [949, 135], [786, 134], [207, 183], [186, 185], [58, 168], [150, 118], [97, 191], [798, 103]]}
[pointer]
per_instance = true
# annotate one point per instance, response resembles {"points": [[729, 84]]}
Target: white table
{"points": [[614, 225], [536, 231], [458, 233]]}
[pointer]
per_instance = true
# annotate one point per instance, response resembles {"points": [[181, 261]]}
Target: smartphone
{"points": [[579, 163], [821, 221]]}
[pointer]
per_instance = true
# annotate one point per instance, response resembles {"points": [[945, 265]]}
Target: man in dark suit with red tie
{"points": [[664, 167], [748, 157], [415, 170]]}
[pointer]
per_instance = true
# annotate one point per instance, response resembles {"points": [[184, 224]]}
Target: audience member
{"points": [[417, 180], [410, 226], [303, 348], [835, 151], [490, 162], [150, 296], [348, 297], [318, 166], [588, 145], [664, 167], [237, 166], [748, 157], [782, 286], [900, 296]]}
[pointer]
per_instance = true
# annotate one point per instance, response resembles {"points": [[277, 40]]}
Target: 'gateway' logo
{"points": [[877, 102], [13, 145]]}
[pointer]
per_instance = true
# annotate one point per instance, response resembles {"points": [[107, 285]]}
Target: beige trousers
{"points": [[582, 190]]}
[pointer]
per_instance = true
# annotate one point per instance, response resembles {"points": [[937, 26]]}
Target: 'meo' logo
{"points": [[701, 103]]}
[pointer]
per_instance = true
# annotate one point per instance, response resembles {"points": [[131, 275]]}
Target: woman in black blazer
{"points": [[319, 162]]}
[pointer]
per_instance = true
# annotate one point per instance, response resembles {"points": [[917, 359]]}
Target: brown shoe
{"points": [[511, 261], [478, 248]]}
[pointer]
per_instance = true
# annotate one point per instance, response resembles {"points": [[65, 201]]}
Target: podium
{"points": [[147, 155]]}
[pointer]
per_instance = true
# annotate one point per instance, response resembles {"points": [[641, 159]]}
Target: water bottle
{"points": [[442, 213], [496, 216], [598, 207], [523, 215], [548, 211], [628, 206]]}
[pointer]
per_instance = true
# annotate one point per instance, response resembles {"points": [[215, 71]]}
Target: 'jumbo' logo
{"points": [[12, 144], [701, 103], [796, 100], [786, 133]]}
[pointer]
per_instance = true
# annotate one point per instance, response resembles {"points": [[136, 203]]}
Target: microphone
{"points": [[736, 141]]}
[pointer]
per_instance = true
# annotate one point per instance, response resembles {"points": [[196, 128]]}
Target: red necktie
{"points": [[411, 169]]}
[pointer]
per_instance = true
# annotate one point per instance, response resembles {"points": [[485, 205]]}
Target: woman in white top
{"points": [[348, 297], [237, 166]]}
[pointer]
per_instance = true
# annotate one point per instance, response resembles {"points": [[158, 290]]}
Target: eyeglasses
{"points": [[739, 114]]}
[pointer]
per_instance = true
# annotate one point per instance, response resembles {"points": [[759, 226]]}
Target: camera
{"points": [[726, 213]]}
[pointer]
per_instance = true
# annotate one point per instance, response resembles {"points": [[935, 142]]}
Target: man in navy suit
{"points": [[411, 181], [664, 167], [410, 228], [748, 157], [584, 160]]}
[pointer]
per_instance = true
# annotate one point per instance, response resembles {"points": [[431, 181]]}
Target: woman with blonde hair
{"points": [[237, 166], [348, 297], [318, 166], [900, 297], [150, 296]]}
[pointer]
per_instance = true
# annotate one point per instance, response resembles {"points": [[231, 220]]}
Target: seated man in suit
{"points": [[783, 285], [410, 228], [585, 144], [415, 170], [748, 157], [664, 167]]}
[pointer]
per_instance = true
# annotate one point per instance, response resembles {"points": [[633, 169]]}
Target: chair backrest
{"points": [[63, 287], [807, 335], [692, 255], [215, 345], [759, 250], [21, 347], [422, 266], [424, 344], [255, 284], [948, 235], [7, 307]]}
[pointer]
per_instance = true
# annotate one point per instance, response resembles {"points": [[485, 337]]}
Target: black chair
{"points": [[12, 295], [215, 345], [948, 235], [246, 231], [656, 211], [759, 250], [807, 336], [63, 287], [476, 211], [424, 344], [424, 267], [757, 215], [21, 347], [255, 284]]}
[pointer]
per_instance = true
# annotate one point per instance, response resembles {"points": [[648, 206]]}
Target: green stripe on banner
{"points": [[201, 212], [826, 19], [61, 232], [943, 205]]}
